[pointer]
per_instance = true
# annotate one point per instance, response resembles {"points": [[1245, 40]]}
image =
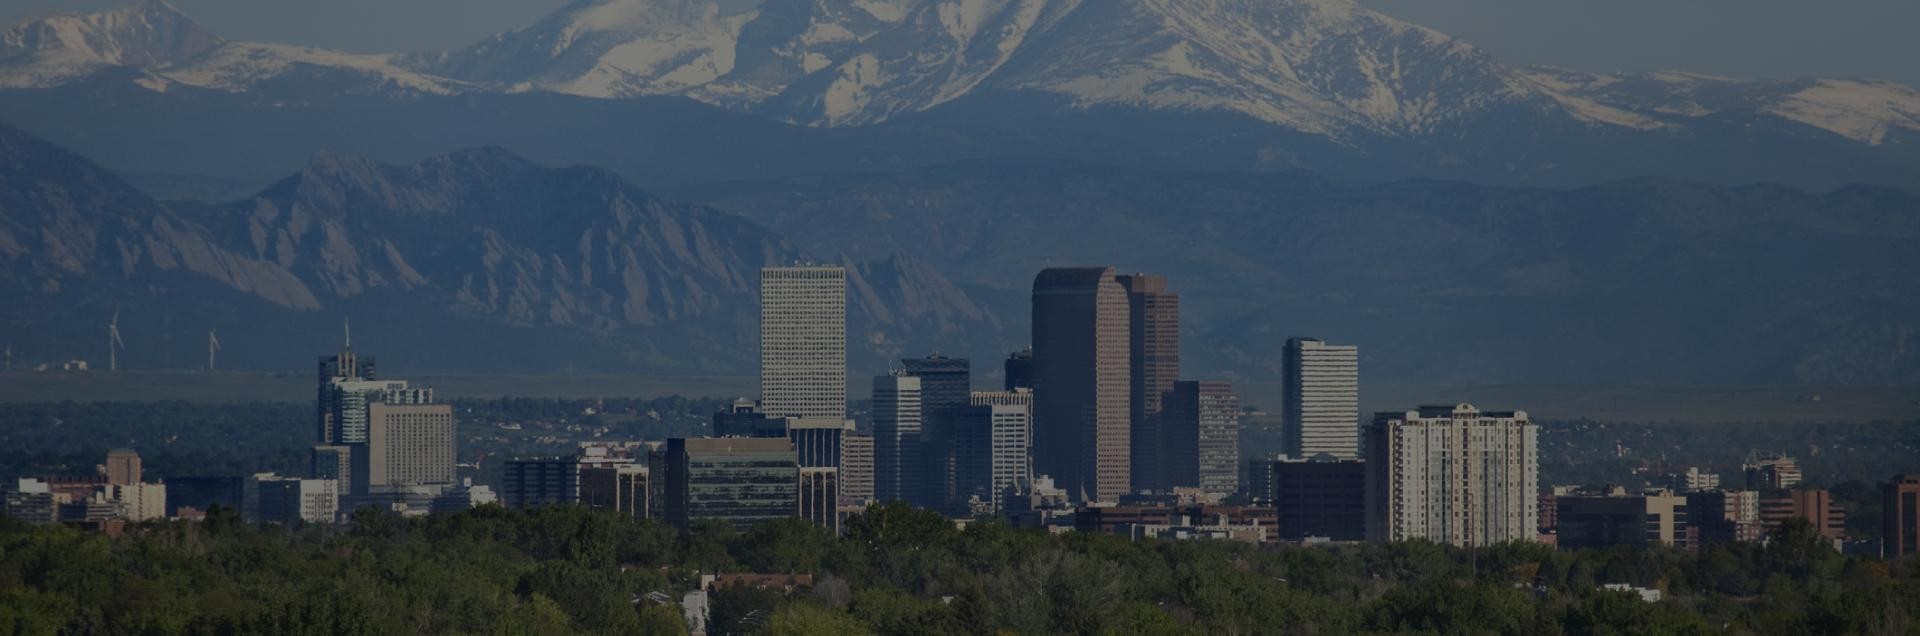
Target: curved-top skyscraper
{"points": [[1081, 381]]}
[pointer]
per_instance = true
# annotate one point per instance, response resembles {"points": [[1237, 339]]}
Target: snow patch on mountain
{"points": [[61, 48], [239, 66], [1861, 111]]}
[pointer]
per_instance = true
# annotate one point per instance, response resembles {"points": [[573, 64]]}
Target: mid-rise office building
{"points": [[992, 443], [896, 438], [1019, 370], [123, 467], [803, 342], [407, 444], [533, 482], [201, 494], [1813, 504], [1320, 403], [856, 469], [1153, 340], [1900, 516], [33, 501], [739, 481], [1617, 518], [1696, 480], [1082, 381], [819, 496], [1771, 472], [1453, 474], [622, 488], [270, 498], [1725, 516], [742, 419], [140, 501], [1201, 443], [333, 461], [1321, 498], [944, 385]]}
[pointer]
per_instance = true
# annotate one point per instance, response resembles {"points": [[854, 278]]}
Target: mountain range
{"points": [[597, 191], [482, 260], [1241, 85], [477, 259]]}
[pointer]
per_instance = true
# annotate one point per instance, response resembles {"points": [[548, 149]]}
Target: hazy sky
{"points": [[1742, 38]]}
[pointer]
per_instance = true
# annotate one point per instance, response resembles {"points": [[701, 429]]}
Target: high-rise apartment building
{"points": [[407, 444], [1201, 444], [803, 342], [345, 365], [944, 385], [1813, 504], [897, 474], [1900, 516], [123, 467], [1453, 474], [1320, 403], [1153, 360], [1081, 363], [347, 400], [740, 481], [993, 439], [1019, 370], [856, 468]]}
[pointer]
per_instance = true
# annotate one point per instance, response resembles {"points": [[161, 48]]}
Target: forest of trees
{"points": [[898, 570]]}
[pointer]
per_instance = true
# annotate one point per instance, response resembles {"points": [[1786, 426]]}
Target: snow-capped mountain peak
{"points": [[59, 48]]}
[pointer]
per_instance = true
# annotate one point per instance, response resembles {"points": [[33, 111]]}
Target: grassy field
{"points": [[1613, 404]]}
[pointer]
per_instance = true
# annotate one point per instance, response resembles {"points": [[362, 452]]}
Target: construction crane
{"points": [[114, 344]]}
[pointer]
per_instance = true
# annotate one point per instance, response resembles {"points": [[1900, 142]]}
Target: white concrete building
{"points": [[803, 342], [1320, 409], [1453, 474]]}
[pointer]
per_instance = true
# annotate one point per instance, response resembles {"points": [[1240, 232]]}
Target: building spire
{"points": [[346, 328]]}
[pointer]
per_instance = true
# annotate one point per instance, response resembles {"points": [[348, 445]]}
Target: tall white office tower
{"points": [[896, 438], [1453, 474], [803, 342], [1320, 407]]}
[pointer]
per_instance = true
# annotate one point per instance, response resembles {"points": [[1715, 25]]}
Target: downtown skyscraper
{"points": [[1320, 409], [803, 342], [1153, 340], [945, 384], [897, 470], [1081, 379]]}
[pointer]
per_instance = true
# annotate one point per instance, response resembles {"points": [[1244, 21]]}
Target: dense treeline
{"points": [[902, 571]]}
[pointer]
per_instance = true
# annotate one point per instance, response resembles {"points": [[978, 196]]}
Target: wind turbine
{"points": [[114, 344], [213, 346]]}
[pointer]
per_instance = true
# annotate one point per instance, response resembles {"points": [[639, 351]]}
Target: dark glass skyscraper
{"points": [[945, 384], [1153, 338], [1019, 370], [1081, 381]]}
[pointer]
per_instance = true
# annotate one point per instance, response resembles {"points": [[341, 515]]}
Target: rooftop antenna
{"points": [[346, 328], [213, 346], [114, 344]]}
